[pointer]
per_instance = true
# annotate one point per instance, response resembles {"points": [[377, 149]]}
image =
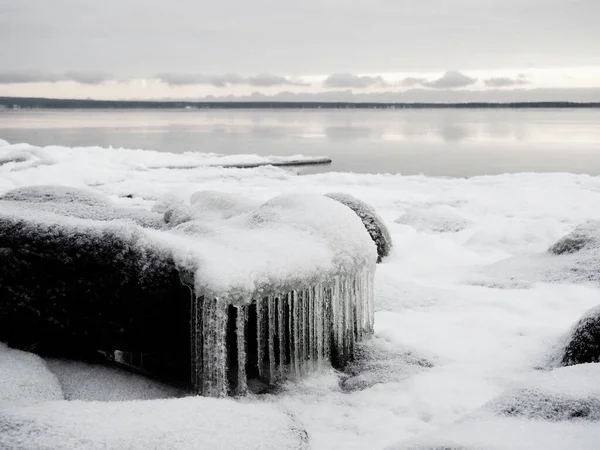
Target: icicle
{"points": [[271, 323], [259, 337], [214, 350], [327, 323], [241, 318], [196, 344], [312, 328], [281, 329], [297, 342]]}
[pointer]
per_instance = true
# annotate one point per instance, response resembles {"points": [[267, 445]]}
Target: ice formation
{"points": [[305, 260]]}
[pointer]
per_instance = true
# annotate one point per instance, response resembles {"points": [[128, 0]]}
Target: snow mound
{"points": [[370, 219], [193, 423], [93, 382], [568, 393], [553, 410], [508, 434], [434, 219], [208, 206], [25, 379], [586, 236], [75, 202], [56, 194], [290, 242], [22, 157]]}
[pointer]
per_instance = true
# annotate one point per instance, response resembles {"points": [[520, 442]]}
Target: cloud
{"points": [[27, 77], [450, 80], [268, 80], [501, 82], [421, 95], [348, 80], [413, 81], [228, 79], [36, 76]]}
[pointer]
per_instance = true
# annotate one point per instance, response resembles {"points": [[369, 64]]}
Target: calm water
{"points": [[432, 142]]}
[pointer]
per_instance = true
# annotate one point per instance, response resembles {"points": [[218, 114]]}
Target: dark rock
{"points": [[370, 219], [583, 343], [98, 284], [586, 236]]}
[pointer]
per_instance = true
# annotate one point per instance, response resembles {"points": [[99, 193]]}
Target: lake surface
{"points": [[433, 142]]}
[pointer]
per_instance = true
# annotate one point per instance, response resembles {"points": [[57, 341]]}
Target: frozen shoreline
{"points": [[450, 334]]}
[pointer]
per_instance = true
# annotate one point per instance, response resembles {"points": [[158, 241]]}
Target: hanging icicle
{"points": [[297, 332], [240, 329]]}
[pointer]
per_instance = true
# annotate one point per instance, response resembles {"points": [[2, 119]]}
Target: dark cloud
{"points": [[228, 79], [413, 81], [502, 82], [450, 80], [27, 77], [36, 76], [348, 80]]}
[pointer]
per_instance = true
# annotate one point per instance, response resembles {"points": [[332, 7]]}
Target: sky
{"points": [[310, 49]]}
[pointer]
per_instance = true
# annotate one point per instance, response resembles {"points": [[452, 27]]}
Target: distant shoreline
{"points": [[52, 103]]}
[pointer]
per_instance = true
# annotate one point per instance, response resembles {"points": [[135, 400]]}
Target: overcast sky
{"points": [[194, 48]]}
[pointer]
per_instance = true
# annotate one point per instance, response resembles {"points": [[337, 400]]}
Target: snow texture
{"points": [[25, 379], [434, 219], [195, 423], [94, 382], [586, 236], [207, 206], [77, 203], [551, 410], [370, 219]]}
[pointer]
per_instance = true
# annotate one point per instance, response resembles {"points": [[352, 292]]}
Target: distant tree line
{"points": [[25, 102]]}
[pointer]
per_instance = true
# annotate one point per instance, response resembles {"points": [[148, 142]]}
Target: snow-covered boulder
{"points": [[193, 423], [97, 283], [370, 219], [75, 270], [552, 410], [78, 203], [582, 344], [586, 236]]}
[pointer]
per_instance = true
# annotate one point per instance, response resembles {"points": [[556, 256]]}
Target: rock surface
{"points": [[583, 342], [86, 282], [586, 236]]}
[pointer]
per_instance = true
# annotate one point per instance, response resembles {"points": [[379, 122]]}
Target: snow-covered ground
{"points": [[467, 306]]}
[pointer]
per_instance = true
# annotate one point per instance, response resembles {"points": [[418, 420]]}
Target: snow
{"points": [[93, 382], [551, 410], [461, 317], [25, 379], [289, 242], [195, 423]]}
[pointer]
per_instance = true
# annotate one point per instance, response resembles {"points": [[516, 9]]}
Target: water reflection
{"points": [[435, 142]]}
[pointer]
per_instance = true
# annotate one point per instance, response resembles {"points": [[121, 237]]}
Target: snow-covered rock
{"points": [[370, 219], [582, 344], [586, 236], [553, 410]]}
